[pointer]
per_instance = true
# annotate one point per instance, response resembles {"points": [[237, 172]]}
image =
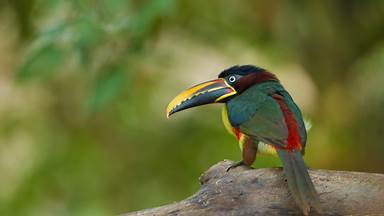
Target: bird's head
{"points": [[230, 83]]}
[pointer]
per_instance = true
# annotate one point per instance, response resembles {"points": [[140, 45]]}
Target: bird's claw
{"points": [[240, 163]]}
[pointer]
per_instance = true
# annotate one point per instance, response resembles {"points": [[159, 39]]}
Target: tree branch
{"points": [[243, 191]]}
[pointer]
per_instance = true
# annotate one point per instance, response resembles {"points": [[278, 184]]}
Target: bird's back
{"points": [[258, 113]]}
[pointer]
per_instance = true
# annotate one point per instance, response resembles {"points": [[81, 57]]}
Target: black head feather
{"points": [[241, 70]]}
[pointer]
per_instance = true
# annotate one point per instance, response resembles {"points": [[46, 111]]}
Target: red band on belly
{"points": [[237, 133]]}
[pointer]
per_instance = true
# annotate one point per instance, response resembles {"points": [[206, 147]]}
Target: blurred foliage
{"points": [[84, 84]]}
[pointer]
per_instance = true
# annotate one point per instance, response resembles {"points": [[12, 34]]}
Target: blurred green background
{"points": [[84, 85]]}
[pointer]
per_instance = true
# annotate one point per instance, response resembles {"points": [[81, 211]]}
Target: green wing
{"points": [[268, 124], [258, 115]]}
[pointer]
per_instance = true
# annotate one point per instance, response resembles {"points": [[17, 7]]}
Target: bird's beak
{"points": [[213, 91]]}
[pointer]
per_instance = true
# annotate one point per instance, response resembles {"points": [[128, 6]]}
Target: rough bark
{"points": [[243, 191]]}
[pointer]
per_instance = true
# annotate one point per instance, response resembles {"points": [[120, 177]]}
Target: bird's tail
{"points": [[299, 181]]}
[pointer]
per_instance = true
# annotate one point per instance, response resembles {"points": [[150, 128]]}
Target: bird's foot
{"points": [[240, 163]]}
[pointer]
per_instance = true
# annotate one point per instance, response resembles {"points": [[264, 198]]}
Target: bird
{"points": [[264, 118]]}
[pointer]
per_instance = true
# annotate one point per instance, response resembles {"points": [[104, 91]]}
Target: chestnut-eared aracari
{"points": [[263, 117]]}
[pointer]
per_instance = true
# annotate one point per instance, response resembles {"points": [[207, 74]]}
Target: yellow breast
{"points": [[227, 124]]}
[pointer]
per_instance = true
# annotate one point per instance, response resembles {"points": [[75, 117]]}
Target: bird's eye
{"points": [[232, 79]]}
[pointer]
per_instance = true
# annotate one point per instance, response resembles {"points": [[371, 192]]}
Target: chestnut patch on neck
{"points": [[253, 79]]}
